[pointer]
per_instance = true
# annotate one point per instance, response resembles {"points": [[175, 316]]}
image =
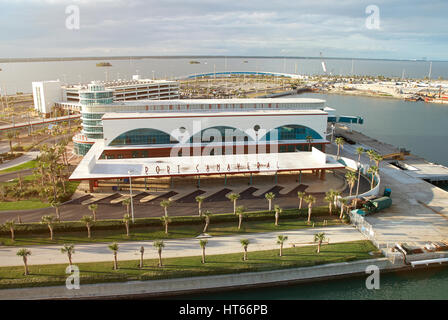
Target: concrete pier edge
{"points": [[177, 286]]}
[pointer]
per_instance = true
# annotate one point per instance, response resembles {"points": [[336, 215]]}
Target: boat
{"points": [[103, 64]]}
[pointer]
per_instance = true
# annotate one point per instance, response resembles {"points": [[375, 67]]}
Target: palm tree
{"points": [[88, 221], [310, 200], [378, 158], [244, 243], [371, 154], [350, 176], [126, 203], [270, 196], [344, 203], [309, 140], [159, 245], [278, 211], [373, 170], [165, 204], [359, 152], [126, 219], [56, 205], [114, 248], [166, 221], [301, 195], [240, 211], [203, 244], [49, 221], [142, 252], [199, 200], [207, 215], [319, 238], [10, 135], [69, 249], [340, 143], [24, 253], [329, 197], [10, 225], [233, 197], [93, 207], [281, 240]]}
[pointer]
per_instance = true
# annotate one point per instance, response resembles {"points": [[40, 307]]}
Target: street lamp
{"points": [[130, 172]]}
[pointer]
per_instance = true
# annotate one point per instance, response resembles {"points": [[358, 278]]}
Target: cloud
{"points": [[409, 29]]}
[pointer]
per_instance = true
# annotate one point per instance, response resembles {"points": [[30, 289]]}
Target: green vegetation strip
{"points": [[152, 228], [48, 275], [27, 165]]}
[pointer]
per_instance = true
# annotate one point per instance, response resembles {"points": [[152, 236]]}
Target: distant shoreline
{"points": [[52, 59]]}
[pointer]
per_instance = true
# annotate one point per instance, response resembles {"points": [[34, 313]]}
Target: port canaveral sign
{"points": [[212, 167]]}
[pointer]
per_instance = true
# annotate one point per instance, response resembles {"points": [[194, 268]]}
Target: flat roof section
{"points": [[211, 113], [93, 168]]}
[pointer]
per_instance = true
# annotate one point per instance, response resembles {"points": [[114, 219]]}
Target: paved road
{"points": [[176, 247]]}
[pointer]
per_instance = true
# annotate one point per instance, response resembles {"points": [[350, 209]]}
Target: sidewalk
{"points": [[20, 160], [176, 247]]}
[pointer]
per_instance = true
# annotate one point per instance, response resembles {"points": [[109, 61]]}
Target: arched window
{"points": [[208, 135], [292, 132], [143, 136]]}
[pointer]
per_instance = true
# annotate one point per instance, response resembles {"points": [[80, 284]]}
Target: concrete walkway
{"points": [[20, 160], [176, 247]]}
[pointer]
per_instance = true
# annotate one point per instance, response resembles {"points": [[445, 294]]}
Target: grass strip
{"points": [[101, 272]]}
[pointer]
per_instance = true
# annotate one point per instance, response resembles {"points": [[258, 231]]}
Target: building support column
{"points": [[322, 174], [276, 178], [199, 181], [250, 180], [91, 184], [171, 182], [300, 176], [225, 180]]}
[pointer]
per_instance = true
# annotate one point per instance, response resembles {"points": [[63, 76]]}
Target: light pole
{"points": [[130, 172]]}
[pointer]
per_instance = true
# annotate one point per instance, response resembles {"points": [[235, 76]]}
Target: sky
{"points": [[401, 29]]}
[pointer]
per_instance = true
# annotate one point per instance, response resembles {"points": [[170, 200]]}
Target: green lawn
{"points": [[47, 275], [22, 205], [154, 232], [27, 165]]}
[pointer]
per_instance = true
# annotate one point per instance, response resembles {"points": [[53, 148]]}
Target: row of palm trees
{"points": [[159, 245]]}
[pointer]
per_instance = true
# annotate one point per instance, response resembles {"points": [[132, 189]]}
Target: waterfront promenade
{"points": [[420, 210], [176, 247]]}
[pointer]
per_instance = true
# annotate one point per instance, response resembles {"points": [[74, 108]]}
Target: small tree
{"points": [[68, 249], [207, 215], [240, 211], [340, 143], [245, 244], [278, 211], [88, 220], [56, 205], [126, 221], [10, 135], [199, 200], [165, 204], [203, 244], [329, 197], [142, 252], [373, 170], [166, 221], [344, 203], [301, 196], [281, 240], [24, 253], [310, 200], [127, 203], [94, 208], [351, 178], [319, 238], [49, 221], [233, 197], [359, 152], [114, 248], [159, 245], [270, 196], [309, 139], [10, 225]]}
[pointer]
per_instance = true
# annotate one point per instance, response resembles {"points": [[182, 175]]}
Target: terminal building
{"points": [[187, 139]]}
